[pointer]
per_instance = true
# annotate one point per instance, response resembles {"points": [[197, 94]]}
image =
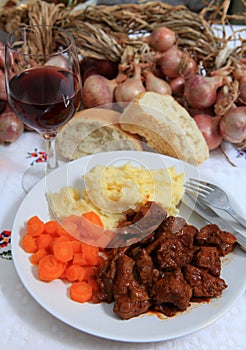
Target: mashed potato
{"points": [[111, 191]]}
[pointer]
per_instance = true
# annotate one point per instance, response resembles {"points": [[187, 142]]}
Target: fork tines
{"points": [[198, 187]]}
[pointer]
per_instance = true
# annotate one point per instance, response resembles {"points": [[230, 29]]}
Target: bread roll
{"points": [[166, 126], [94, 130]]}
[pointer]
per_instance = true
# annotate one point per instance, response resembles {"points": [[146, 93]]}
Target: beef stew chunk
{"points": [[211, 235], [208, 258], [164, 271], [131, 297], [172, 288], [203, 284]]}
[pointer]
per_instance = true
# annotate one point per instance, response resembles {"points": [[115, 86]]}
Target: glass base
{"points": [[33, 175]]}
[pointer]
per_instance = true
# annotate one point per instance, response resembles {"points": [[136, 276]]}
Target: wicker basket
{"points": [[116, 33]]}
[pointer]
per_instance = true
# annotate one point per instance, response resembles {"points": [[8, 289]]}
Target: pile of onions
{"points": [[170, 70]]}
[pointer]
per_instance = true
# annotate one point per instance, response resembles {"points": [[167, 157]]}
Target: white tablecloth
{"points": [[26, 325]]}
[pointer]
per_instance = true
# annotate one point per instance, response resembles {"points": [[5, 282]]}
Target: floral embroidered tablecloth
{"points": [[25, 325]]}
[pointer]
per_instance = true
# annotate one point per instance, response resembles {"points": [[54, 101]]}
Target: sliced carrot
{"points": [[29, 243], [72, 225], [58, 254], [35, 226], [75, 273], [89, 273], [71, 228], [44, 240], [76, 246], [94, 284], [63, 251], [49, 268], [60, 231], [90, 254], [81, 292], [91, 227], [50, 227], [78, 259], [93, 217], [37, 256]]}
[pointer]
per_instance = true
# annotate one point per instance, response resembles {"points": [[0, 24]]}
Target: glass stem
{"points": [[51, 151]]}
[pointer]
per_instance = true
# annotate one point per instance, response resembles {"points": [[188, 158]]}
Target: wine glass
{"points": [[43, 84]]}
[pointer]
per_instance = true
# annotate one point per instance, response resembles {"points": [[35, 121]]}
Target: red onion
{"points": [[177, 85], [153, 83], [2, 53], [107, 68], [130, 88], [209, 127], [189, 68], [97, 91], [194, 111], [3, 94], [88, 72], [161, 39], [87, 68], [11, 127], [90, 66], [155, 69], [233, 125], [201, 92], [170, 62]]}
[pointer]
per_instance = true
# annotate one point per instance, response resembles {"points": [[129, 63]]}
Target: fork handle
{"points": [[237, 217]]}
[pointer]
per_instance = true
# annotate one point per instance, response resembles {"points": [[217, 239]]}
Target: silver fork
{"points": [[213, 196]]}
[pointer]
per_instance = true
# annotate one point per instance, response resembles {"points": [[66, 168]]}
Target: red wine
{"points": [[44, 98]]}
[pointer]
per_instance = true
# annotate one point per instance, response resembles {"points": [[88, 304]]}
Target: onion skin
{"points": [[177, 85], [131, 87], [153, 83], [170, 61], [88, 72], [189, 69], [161, 39], [209, 127], [11, 127], [201, 92], [97, 91], [233, 125]]}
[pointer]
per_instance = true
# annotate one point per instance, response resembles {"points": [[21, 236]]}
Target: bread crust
{"points": [[94, 130], [166, 126]]}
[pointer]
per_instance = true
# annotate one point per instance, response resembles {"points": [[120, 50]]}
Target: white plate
{"points": [[99, 319]]}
